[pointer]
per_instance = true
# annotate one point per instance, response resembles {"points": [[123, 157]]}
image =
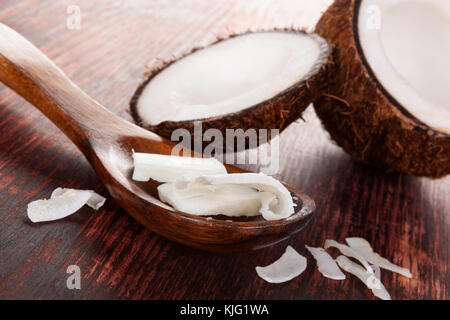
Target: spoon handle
{"points": [[26, 70]]}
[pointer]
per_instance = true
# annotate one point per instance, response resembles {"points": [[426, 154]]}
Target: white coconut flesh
{"points": [[290, 265], [62, 203], [364, 249], [370, 280], [202, 186], [349, 252], [95, 201], [326, 264], [246, 194], [407, 45], [229, 76], [165, 168]]}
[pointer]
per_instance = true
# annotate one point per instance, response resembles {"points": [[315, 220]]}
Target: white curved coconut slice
{"points": [[364, 249], [369, 279], [326, 264], [290, 265], [349, 252], [95, 201], [230, 194], [62, 203], [228, 200], [165, 168]]}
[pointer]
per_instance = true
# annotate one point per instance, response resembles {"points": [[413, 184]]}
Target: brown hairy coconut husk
{"points": [[361, 115], [275, 113]]}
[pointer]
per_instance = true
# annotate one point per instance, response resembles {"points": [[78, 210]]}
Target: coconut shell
{"points": [[275, 113], [361, 115]]}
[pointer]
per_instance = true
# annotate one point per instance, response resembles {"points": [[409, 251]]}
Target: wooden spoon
{"points": [[107, 141]]}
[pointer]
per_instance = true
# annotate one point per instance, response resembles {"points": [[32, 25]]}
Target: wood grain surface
{"points": [[405, 218]]}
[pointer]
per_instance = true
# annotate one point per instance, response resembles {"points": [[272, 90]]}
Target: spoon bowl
{"points": [[108, 141]]}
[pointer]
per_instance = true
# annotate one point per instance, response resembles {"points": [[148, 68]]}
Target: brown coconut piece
{"points": [[276, 112], [363, 117]]}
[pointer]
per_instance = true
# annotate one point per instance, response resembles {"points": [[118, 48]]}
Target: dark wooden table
{"points": [[405, 218]]}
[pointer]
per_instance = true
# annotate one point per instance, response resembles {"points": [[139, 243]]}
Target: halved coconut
{"points": [[388, 102], [256, 80]]}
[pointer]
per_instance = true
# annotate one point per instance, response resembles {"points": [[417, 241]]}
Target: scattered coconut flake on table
{"points": [[369, 279], [364, 249], [166, 168], [239, 194], [290, 265], [62, 203], [95, 201], [326, 264], [349, 252]]}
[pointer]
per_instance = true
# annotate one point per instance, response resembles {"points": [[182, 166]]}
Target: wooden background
{"points": [[405, 218]]}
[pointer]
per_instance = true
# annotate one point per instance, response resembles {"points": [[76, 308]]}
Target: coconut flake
{"points": [[326, 264], [290, 265], [349, 252], [62, 203], [165, 168], [246, 194], [364, 249], [226, 200], [369, 279], [95, 201]]}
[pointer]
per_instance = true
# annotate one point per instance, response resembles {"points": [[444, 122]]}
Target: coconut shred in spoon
{"points": [[203, 187]]}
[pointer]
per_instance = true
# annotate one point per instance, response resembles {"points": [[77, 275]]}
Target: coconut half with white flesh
{"points": [[388, 101], [256, 80]]}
